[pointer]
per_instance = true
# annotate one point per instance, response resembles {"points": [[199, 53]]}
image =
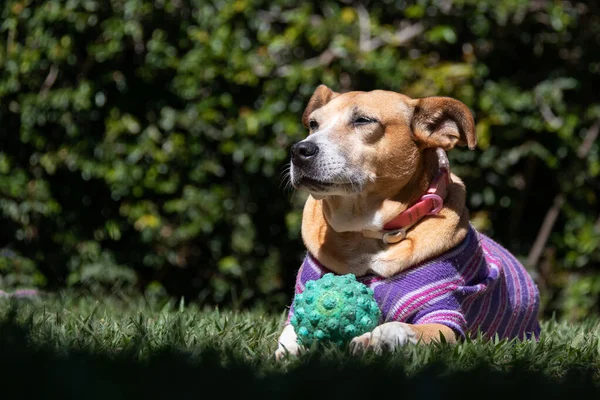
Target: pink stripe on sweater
{"points": [[432, 294], [498, 318], [478, 288], [488, 301], [409, 298], [527, 317], [442, 316], [517, 298], [481, 314], [532, 313]]}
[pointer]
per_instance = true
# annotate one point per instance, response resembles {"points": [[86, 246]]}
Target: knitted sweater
{"points": [[476, 286]]}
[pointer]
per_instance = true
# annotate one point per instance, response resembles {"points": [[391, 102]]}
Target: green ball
{"points": [[335, 309]]}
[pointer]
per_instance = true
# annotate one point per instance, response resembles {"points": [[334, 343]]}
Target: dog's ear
{"points": [[443, 122], [320, 97]]}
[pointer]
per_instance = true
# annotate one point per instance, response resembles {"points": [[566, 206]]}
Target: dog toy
{"points": [[335, 309]]}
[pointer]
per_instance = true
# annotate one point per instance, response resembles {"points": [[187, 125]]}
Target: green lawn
{"points": [[85, 349]]}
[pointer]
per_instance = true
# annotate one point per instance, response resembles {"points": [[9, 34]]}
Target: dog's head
{"points": [[362, 141]]}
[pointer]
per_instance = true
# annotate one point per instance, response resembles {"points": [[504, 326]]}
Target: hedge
{"points": [[144, 143]]}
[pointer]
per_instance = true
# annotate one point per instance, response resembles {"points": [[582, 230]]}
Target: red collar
{"points": [[429, 204]]}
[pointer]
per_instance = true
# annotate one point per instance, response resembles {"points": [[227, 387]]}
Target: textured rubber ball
{"points": [[335, 309]]}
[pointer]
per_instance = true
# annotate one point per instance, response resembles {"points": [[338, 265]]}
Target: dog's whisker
{"points": [[285, 177]]}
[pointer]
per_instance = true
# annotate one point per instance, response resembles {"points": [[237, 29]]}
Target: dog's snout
{"points": [[302, 152]]}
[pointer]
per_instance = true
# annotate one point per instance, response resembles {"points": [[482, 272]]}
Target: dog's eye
{"points": [[362, 121], [312, 124]]}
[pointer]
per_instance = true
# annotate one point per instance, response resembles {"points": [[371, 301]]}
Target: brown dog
{"points": [[368, 161]]}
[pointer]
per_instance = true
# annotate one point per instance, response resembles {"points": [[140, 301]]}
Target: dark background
{"points": [[143, 143]]}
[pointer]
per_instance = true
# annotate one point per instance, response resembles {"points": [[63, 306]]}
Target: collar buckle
{"points": [[438, 202], [394, 236]]}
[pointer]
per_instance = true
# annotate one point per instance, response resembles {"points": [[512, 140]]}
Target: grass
{"points": [[75, 347]]}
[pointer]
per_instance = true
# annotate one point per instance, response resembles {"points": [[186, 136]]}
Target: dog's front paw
{"points": [[287, 343], [388, 336], [286, 350]]}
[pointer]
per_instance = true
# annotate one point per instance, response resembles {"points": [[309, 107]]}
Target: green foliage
{"points": [[143, 142]]}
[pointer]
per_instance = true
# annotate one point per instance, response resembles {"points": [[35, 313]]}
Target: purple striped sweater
{"points": [[476, 286]]}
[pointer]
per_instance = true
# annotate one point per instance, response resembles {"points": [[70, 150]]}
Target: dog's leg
{"points": [[391, 335], [287, 343]]}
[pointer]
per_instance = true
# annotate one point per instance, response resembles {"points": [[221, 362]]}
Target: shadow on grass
{"points": [[32, 370]]}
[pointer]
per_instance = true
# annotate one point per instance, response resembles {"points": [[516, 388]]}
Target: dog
{"points": [[383, 205]]}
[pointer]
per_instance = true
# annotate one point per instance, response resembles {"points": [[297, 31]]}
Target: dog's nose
{"points": [[302, 152]]}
